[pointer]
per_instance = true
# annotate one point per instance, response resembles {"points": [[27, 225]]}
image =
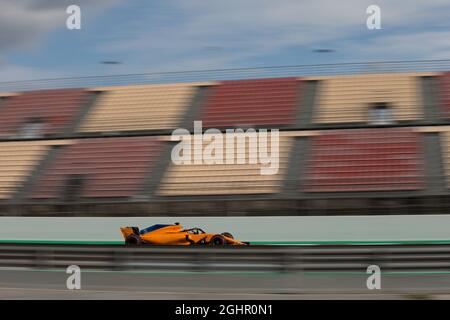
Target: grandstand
{"points": [[148, 107], [365, 160], [98, 168], [226, 179], [372, 143], [53, 110], [251, 103], [444, 92], [346, 99]]}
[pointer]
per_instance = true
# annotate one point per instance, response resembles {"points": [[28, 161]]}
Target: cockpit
{"points": [[195, 231]]}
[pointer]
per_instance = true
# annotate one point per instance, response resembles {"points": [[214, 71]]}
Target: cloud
{"points": [[174, 35], [24, 23], [257, 28]]}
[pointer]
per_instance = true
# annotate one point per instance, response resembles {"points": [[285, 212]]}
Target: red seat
{"points": [[365, 160], [444, 93], [56, 108], [259, 102], [114, 167]]}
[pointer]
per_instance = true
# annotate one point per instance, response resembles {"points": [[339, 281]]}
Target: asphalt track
{"points": [[51, 284]]}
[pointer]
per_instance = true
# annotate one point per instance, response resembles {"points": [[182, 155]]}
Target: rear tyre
{"points": [[228, 235], [133, 240], [217, 240]]}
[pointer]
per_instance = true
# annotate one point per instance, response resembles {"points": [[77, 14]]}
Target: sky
{"points": [[178, 35]]}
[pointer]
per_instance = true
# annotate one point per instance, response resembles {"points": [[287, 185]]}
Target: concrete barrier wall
{"points": [[281, 258], [299, 230]]}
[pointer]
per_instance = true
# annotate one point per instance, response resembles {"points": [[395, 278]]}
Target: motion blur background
{"points": [[86, 118]]}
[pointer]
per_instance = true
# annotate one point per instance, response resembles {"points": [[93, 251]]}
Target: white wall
{"points": [[270, 229]]}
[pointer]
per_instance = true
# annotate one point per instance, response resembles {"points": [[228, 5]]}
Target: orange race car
{"points": [[174, 234]]}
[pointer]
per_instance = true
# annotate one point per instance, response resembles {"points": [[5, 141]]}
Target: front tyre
{"points": [[217, 240]]}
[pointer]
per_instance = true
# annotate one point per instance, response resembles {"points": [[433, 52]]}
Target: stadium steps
{"points": [[2, 100], [18, 161], [430, 100], [78, 120], [37, 172], [443, 85], [193, 111], [306, 109], [445, 148], [435, 173], [296, 163], [154, 178], [112, 167]]}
